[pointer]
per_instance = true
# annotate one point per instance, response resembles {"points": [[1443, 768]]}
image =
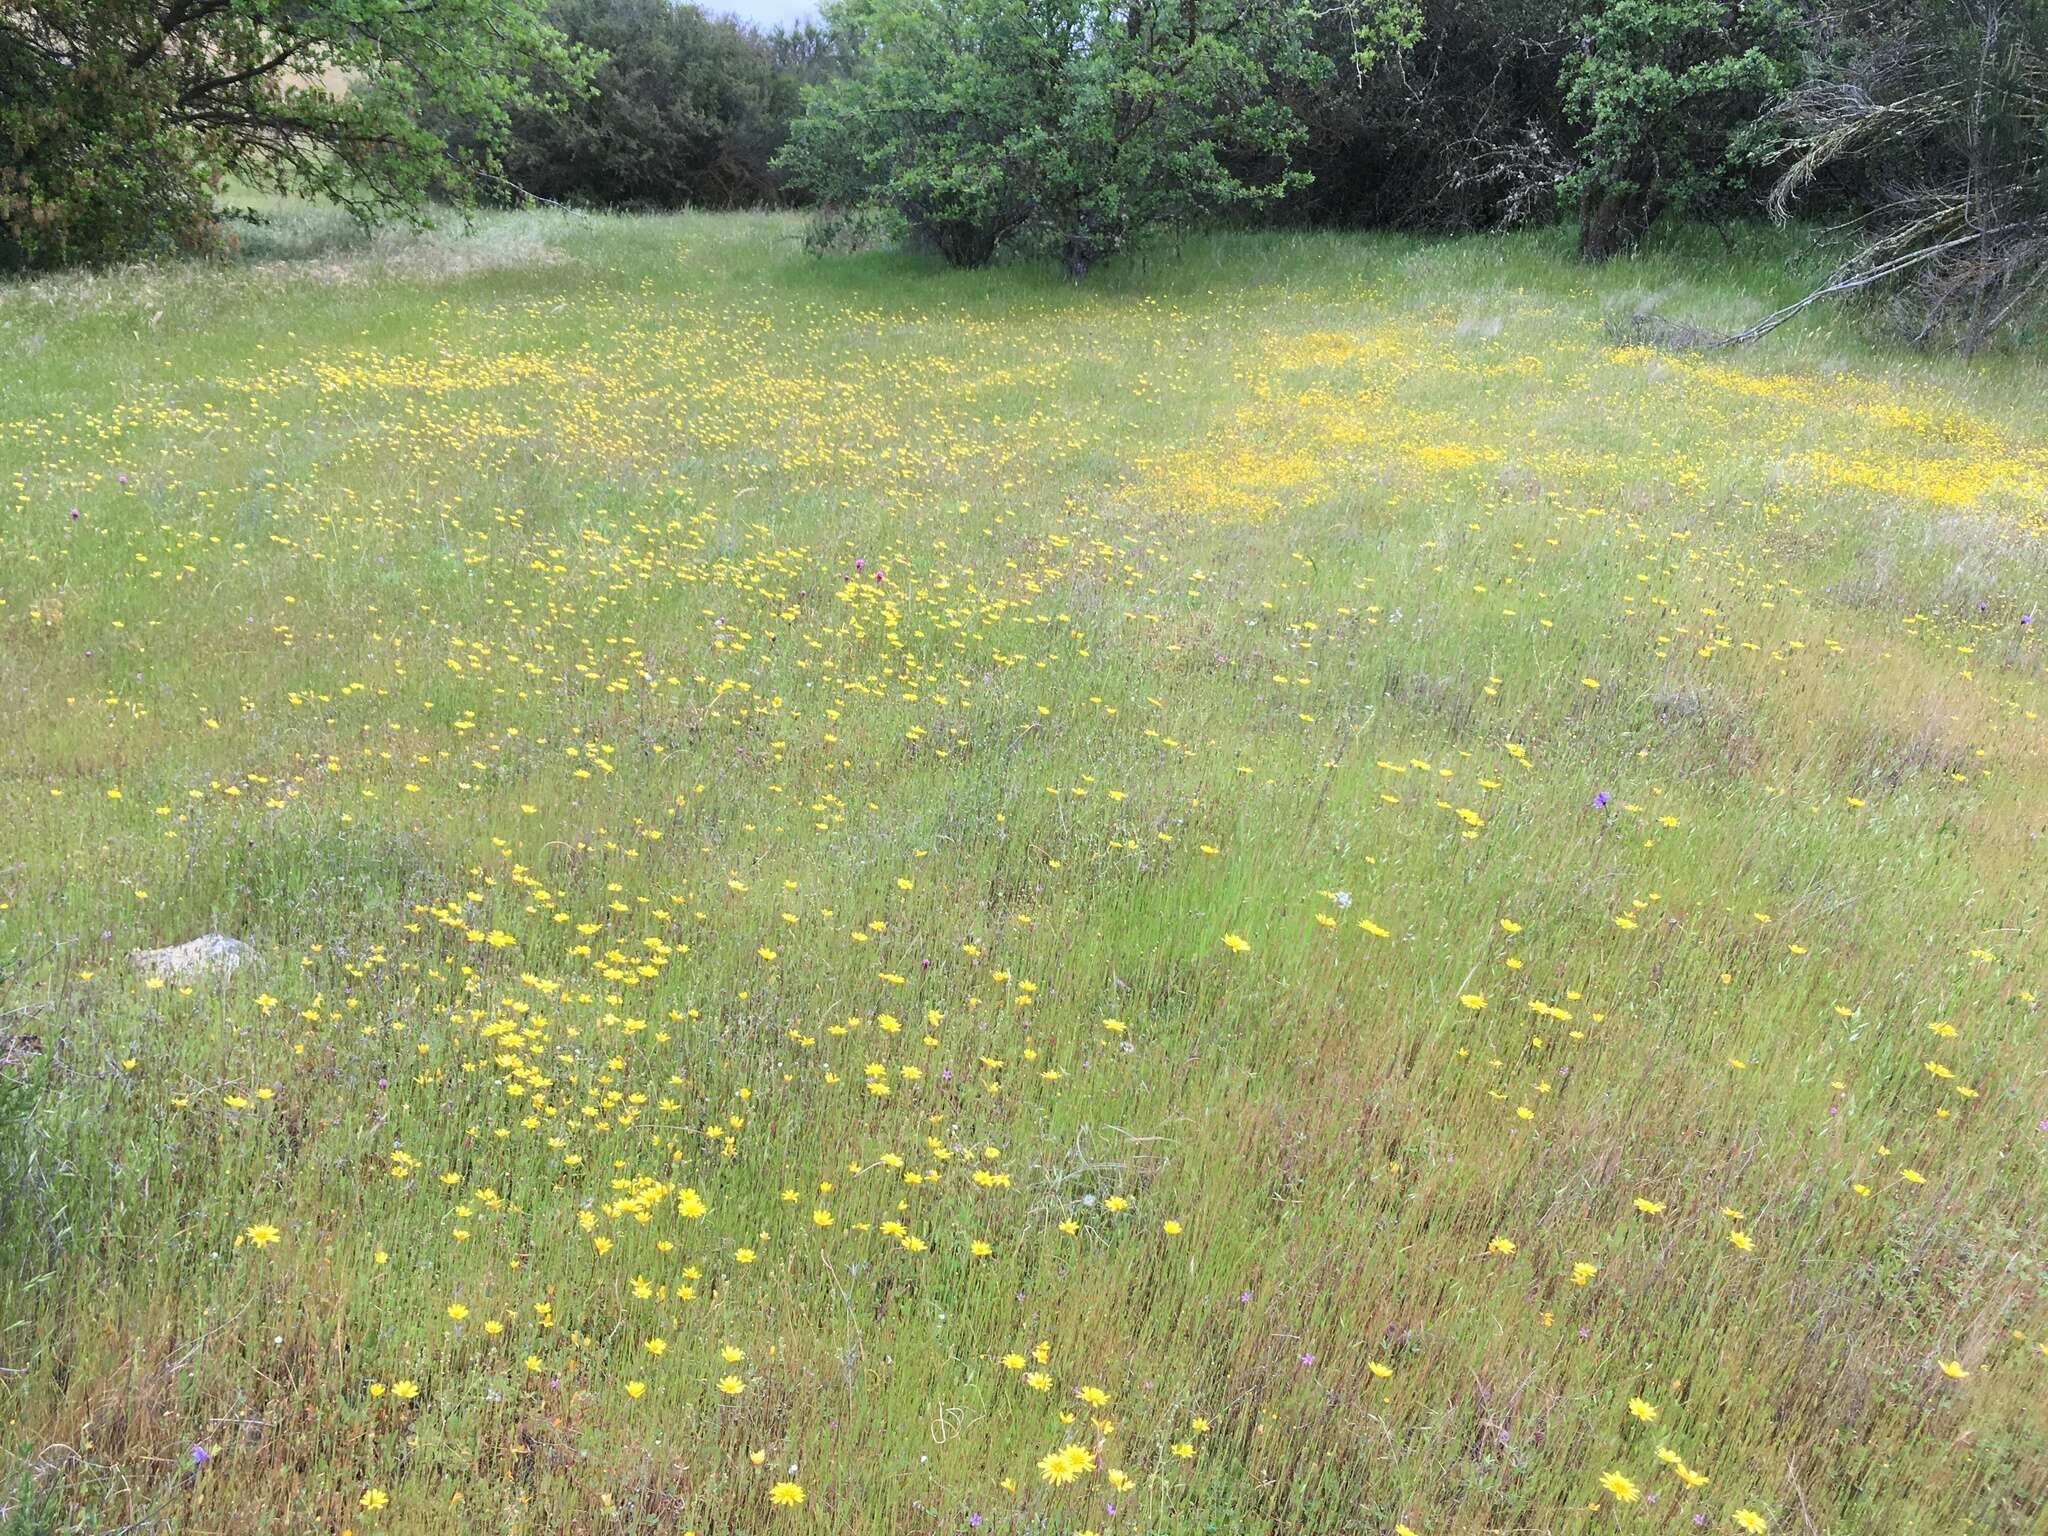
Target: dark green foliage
{"points": [[1667, 96], [809, 52], [1069, 127], [121, 118], [1460, 129], [687, 109], [1066, 128], [90, 166], [26, 1508]]}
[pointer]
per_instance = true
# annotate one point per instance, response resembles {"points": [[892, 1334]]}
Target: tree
{"points": [[687, 109], [1935, 112], [1668, 95], [121, 118], [809, 51], [1456, 125], [1071, 127]]}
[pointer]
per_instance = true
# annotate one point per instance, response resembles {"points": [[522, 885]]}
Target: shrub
{"points": [[1070, 127], [120, 118], [90, 167], [1667, 95], [687, 109], [1457, 125]]}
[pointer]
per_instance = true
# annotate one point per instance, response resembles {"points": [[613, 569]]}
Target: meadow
{"points": [[1299, 891]]}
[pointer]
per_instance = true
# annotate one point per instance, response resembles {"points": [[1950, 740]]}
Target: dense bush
{"points": [[1458, 125], [1668, 96], [92, 168], [687, 109], [1068, 126], [120, 118]]}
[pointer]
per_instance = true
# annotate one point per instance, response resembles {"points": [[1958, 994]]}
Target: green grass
{"points": [[643, 690]]}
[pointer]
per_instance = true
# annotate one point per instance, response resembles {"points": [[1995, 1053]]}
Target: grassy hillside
{"points": [[1296, 891]]}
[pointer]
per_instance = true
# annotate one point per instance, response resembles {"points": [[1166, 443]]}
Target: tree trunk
{"points": [[1602, 224]]}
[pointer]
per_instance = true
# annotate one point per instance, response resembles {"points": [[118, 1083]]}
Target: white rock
{"points": [[211, 954]]}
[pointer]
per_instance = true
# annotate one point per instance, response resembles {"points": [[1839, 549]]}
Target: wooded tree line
{"points": [[1065, 129]]}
